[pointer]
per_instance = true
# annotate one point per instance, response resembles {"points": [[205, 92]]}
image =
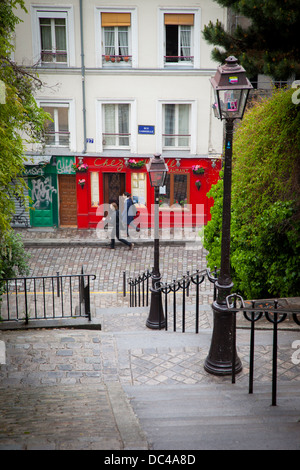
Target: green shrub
{"points": [[13, 257], [265, 225]]}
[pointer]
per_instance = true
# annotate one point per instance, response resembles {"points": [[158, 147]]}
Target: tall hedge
{"points": [[265, 224]]}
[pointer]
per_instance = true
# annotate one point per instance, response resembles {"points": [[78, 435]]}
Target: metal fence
{"points": [[275, 312], [175, 296], [46, 297]]}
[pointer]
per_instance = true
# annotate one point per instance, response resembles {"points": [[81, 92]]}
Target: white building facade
{"points": [[121, 82]]}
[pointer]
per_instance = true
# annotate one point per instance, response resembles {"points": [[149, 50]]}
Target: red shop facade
{"points": [[105, 179]]}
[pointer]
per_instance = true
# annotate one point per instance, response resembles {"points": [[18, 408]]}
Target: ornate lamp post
{"points": [[231, 88], [157, 170]]}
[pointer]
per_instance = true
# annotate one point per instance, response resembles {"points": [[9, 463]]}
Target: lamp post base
{"points": [[156, 319], [220, 357]]}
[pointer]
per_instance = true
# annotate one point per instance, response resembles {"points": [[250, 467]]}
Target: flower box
{"points": [[80, 167], [134, 164], [198, 170]]}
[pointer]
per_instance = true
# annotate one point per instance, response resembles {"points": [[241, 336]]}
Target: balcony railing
{"points": [[176, 140], [57, 57], [57, 139], [184, 59], [115, 140]]}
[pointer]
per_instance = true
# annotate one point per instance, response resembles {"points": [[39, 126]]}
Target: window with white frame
{"points": [[179, 37], [176, 125], [53, 40], [57, 133], [53, 36], [116, 125], [116, 37]]}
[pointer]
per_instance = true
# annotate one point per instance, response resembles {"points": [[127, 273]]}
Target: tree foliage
{"points": [[270, 45], [19, 117], [265, 228]]}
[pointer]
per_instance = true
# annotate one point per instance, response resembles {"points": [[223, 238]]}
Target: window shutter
{"points": [[183, 19], [115, 19]]}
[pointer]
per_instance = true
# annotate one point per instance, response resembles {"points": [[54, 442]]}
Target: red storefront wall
{"points": [[200, 204]]}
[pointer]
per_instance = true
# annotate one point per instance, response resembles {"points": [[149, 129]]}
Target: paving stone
{"points": [[55, 384]]}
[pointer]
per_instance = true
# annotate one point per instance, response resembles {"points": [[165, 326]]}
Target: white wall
{"points": [[147, 85]]}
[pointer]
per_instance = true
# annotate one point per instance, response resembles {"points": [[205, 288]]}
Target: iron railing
{"points": [[253, 311], [183, 287], [274, 311], [140, 289], [46, 297]]}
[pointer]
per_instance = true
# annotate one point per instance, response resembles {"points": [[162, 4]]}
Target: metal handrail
{"points": [[56, 285], [270, 309]]}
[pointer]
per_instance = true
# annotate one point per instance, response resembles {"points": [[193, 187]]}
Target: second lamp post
{"points": [[157, 170]]}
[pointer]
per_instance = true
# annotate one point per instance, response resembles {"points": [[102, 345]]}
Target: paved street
{"points": [[89, 389]]}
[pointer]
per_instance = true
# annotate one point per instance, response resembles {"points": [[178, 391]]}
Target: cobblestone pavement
{"points": [[57, 386]]}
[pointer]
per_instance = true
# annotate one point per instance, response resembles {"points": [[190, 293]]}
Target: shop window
{"points": [[176, 118], [57, 132], [175, 192], [139, 188], [116, 125], [94, 175]]}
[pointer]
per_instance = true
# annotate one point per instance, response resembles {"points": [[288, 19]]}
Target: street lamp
{"points": [[231, 89], [157, 170]]}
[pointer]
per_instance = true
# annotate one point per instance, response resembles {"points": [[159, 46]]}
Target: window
{"points": [[175, 191], [116, 37], [178, 40], [139, 188], [176, 119], [94, 189], [116, 33], [57, 131], [53, 40], [179, 37], [116, 125]]}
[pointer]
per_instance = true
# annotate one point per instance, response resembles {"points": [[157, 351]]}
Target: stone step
{"points": [[218, 416]]}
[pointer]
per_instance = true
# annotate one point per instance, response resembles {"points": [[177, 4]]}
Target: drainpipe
{"points": [[82, 78]]}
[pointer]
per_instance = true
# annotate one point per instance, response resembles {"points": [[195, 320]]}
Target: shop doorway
{"points": [[67, 200], [113, 187]]}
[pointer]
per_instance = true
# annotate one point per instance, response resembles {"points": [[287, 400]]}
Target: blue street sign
{"points": [[147, 130]]}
